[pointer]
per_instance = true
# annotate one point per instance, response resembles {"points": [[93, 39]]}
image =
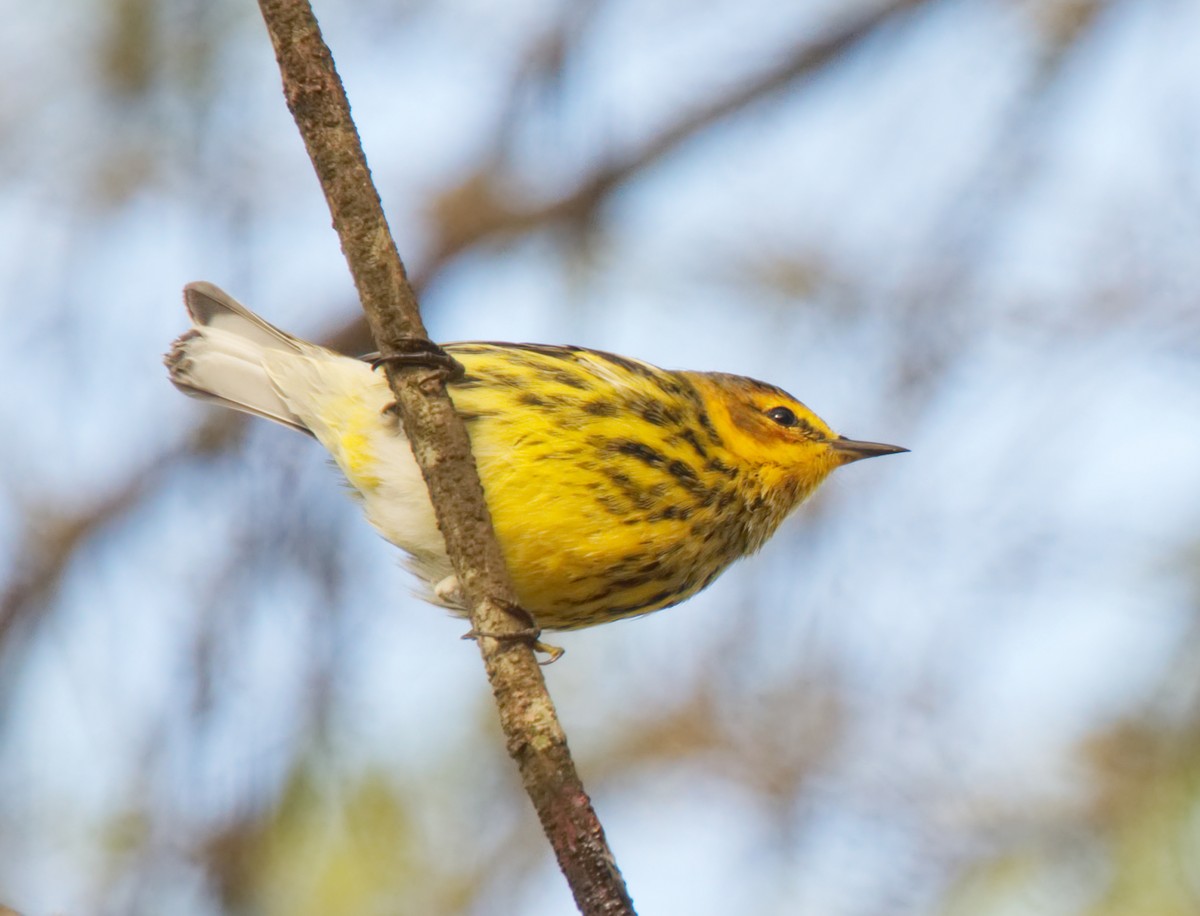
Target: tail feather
{"points": [[221, 358], [212, 307]]}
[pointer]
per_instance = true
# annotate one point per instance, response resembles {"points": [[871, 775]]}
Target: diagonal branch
{"points": [[440, 444]]}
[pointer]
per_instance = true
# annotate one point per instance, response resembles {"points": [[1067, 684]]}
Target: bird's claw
{"points": [[530, 634], [420, 352]]}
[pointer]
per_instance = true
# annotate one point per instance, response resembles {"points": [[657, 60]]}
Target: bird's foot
{"points": [[421, 353], [530, 634]]}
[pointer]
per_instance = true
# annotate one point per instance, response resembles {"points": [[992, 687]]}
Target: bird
{"points": [[616, 488]]}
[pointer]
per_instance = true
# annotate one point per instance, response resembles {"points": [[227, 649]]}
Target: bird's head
{"points": [[789, 447]]}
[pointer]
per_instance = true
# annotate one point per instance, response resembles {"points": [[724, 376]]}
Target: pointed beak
{"points": [[848, 450]]}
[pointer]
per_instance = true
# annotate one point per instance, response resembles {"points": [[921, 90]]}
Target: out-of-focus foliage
{"points": [[1133, 845], [962, 681]]}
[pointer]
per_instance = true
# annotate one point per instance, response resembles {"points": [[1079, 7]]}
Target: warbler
{"points": [[616, 488]]}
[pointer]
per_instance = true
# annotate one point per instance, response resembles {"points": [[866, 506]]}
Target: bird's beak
{"points": [[848, 450]]}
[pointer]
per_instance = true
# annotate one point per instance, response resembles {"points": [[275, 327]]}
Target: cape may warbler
{"points": [[616, 488]]}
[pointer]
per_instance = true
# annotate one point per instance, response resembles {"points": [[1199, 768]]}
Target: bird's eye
{"points": [[783, 416]]}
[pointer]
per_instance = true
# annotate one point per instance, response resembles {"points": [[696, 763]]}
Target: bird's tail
{"points": [[222, 358]]}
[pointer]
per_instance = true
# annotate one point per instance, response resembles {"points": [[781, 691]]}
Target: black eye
{"points": [[783, 416]]}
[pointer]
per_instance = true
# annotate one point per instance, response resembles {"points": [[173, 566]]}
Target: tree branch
{"points": [[482, 209], [440, 444]]}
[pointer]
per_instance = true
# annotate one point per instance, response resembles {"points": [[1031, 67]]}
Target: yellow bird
{"points": [[616, 488]]}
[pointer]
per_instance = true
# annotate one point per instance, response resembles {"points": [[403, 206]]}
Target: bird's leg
{"points": [[529, 633], [420, 352]]}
